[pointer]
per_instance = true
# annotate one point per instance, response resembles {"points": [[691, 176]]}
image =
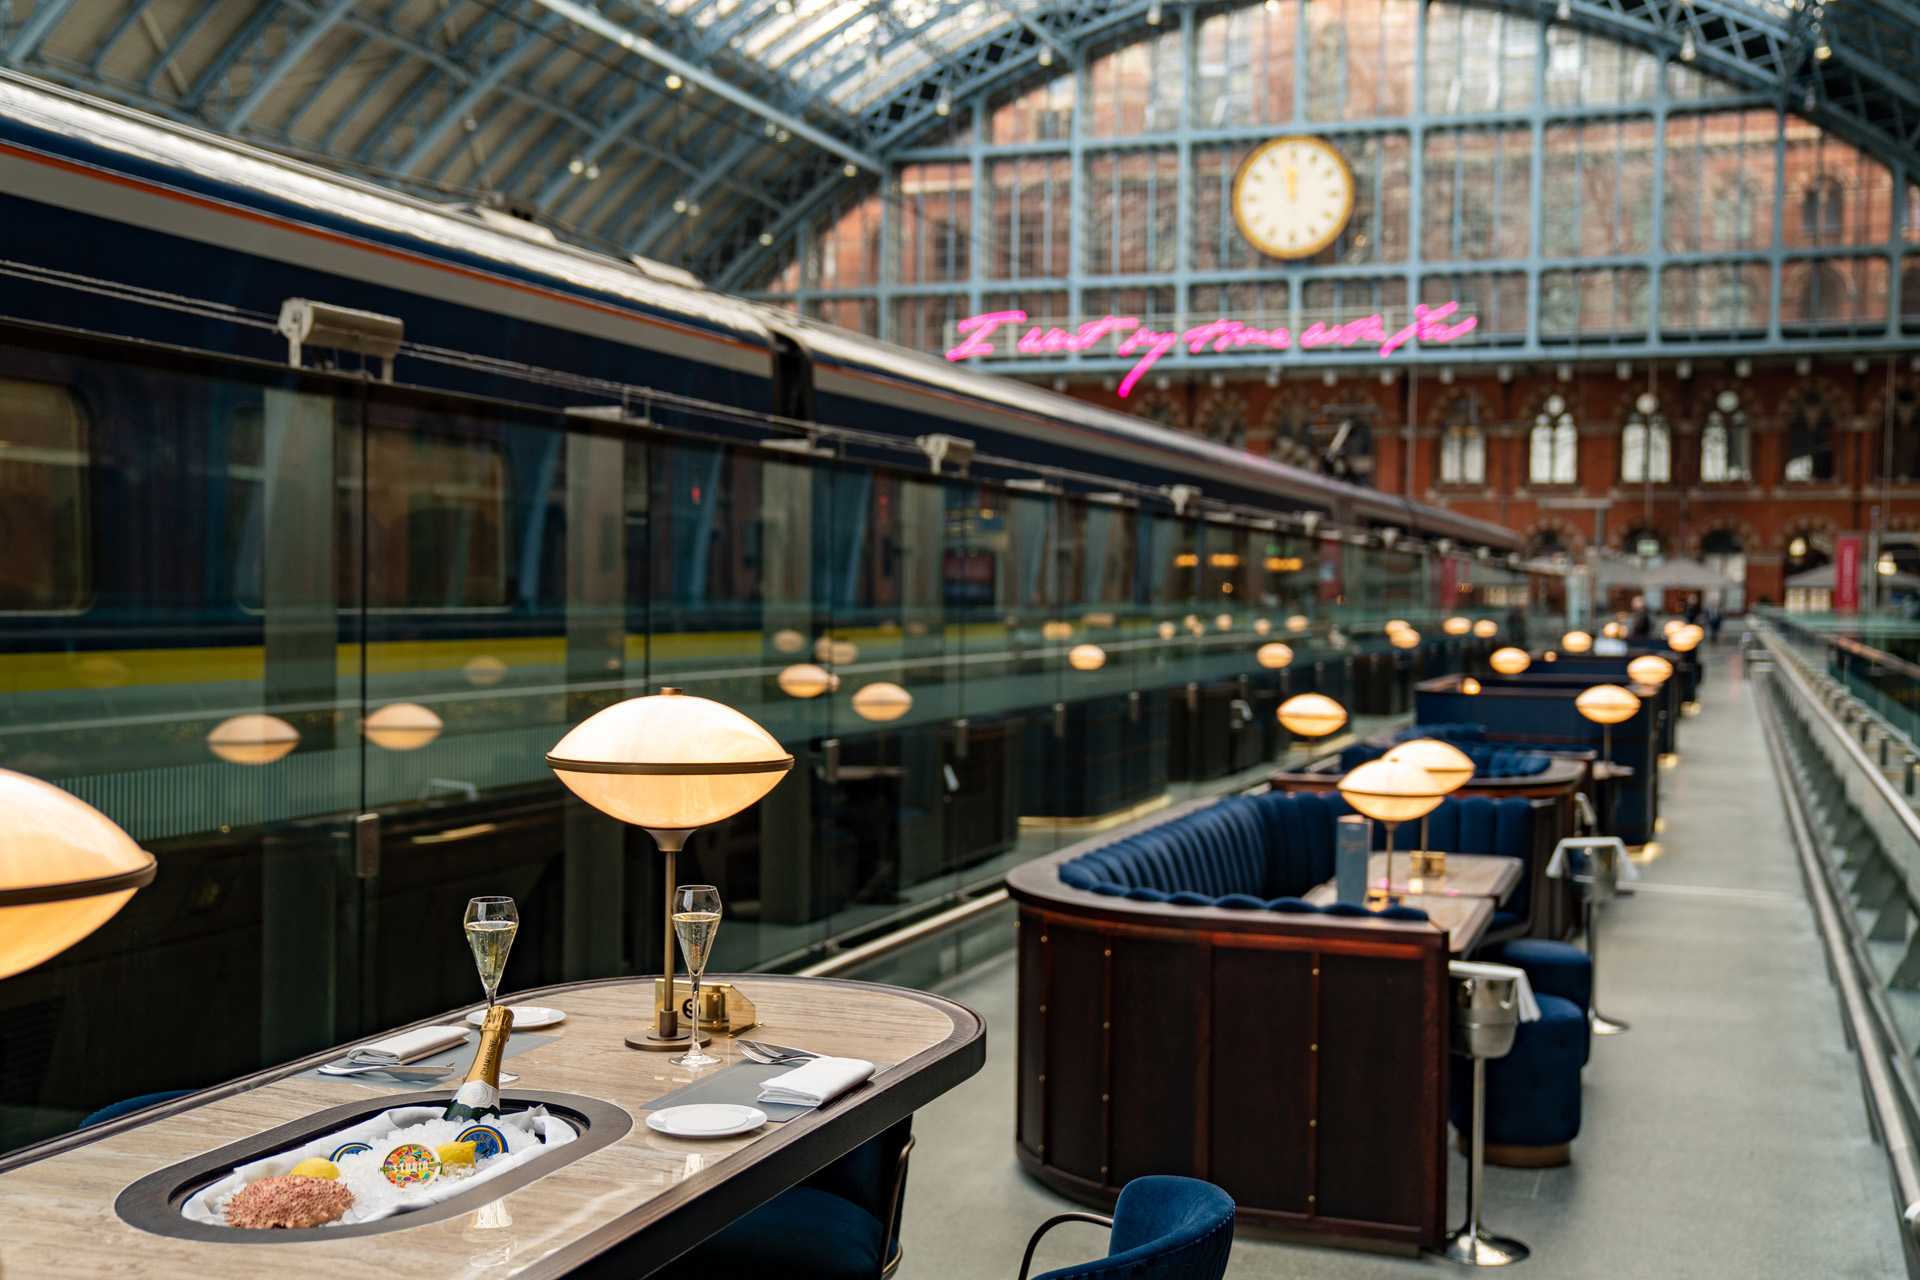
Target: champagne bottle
{"points": [[478, 1098]]}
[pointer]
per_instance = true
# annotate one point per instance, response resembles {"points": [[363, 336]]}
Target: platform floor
{"points": [[1724, 1136]]}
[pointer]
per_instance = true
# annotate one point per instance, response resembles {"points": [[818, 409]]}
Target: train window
{"points": [[44, 460], [436, 522]]}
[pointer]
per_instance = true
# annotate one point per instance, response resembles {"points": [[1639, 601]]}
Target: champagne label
{"points": [[478, 1094]]}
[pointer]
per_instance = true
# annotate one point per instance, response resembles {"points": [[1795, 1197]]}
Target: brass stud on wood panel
{"points": [[1313, 1124], [1316, 973], [1109, 953], [1043, 1009], [1103, 1097], [1106, 1026], [1043, 937], [1309, 1199], [1313, 1048]]}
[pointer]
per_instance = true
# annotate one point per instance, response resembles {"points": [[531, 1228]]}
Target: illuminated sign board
{"points": [[1131, 338]]}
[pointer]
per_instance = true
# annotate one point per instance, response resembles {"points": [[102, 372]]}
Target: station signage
{"points": [[1131, 338]]}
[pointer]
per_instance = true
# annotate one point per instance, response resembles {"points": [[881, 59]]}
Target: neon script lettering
{"points": [[1131, 338]]}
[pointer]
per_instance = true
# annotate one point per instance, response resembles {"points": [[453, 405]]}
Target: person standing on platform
{"points": [[1715, 616], [1641, 626], [1691, 613]]}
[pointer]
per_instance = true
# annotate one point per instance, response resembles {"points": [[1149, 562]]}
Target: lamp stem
{"points": [[1606, 746], [1386, 894], [667, 1017]]}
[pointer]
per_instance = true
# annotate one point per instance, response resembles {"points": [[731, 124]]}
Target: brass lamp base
{"points": [[1378, 898], [650, 1038], [1429, 863]]}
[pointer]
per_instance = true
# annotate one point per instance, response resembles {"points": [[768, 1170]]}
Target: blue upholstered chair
{"points": [[1533, 1094], [1163, 1229], [843, 1223], [127, 1106]]}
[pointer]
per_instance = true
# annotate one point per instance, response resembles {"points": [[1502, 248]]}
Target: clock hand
{"points": [[1293, 180]]}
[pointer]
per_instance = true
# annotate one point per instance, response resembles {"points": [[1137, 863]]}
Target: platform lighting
{"points": [[1687, 50], [1509, 661], [65, 869], [1046, 55], [1564, 11], [882, 701], [1486, 628], [1822, 51], [1671, 625], [1311, 715], [1885, 565], [402, 726], [674, 82], [1649, 668], [252, 739], [804, 680], [1576, 642], [766, 238], [1273, 656], [1056, 631], [943, 105], [1153, 14], [670, 764], [1395, 624], [1086, 657], [1457, 626], [1549, 656], [838, 653], [1391, 792]]}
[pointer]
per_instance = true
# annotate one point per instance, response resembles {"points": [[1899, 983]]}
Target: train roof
{"points": [[197, 159]]}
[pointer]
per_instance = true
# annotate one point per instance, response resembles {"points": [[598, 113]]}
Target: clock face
{"points": [[1292, 196]]}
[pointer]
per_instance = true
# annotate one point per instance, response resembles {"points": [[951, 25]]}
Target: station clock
{"points": [[1293, 196]]}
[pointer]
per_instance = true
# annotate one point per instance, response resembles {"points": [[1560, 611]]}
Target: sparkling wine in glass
{"points": [[696, 920], [491, 924]]}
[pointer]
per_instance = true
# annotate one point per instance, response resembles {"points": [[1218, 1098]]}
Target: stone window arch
{"points": [[1726, 441], [1646, 448], [1463, 443], [1553, 445], [1809, 437]]}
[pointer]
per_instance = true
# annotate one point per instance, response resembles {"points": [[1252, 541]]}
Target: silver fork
{"points": [[770, 1054]]}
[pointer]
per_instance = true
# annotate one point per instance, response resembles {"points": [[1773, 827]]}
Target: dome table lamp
{"points": [[401, 726], [1686, 639], [671, 764], [65, 869], [1404, 638], [1486, 628], [1576, 642], [1311, 715], [1457, 626], [1391, 792], [1273, 656], [1649, 668], [1451, 768], [1086, 657], [1509, 661], [1606, 705]]}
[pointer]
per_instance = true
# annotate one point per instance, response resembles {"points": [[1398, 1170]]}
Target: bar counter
{"points": [[624, 1209]]}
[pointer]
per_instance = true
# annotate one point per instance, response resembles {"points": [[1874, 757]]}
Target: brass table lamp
{"points": [[1390, 792], [65, 869], [1451, 768]]}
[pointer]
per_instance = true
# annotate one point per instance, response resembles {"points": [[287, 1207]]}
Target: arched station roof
{"points": [[698, 131]]}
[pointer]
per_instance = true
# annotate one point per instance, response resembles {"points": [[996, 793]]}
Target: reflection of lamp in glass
{"points": [[1509, 661], [1686, 639], [1486, 628], [65, 869], [1549, 656], [1576, 642], [1404, 638], [1273, 656], [1671, 625], [1450, 767], [484, 671], [670, 764], [401, 726], [1224, 622], [1457, 626], [789, 641], [1391, 792], [804, 680], [1056, 631], [837, 653], [1606, 705], [1261, 626], [1086, 657], [1166, 630], [253, 739], [1311, 715], [1885, 566], [1394, 624], [1469, 685], [1649, 668], [882, 701], [1614, 631], [1298, 622]]}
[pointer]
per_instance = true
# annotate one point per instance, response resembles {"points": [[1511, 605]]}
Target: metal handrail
{"points": [[900, 939]]}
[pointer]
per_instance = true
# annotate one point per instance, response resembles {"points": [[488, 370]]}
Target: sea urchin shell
{"points": [[288, 1201]]}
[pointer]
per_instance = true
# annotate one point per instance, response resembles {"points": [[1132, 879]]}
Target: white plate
{"points": [[526, 1017], [706, 1120]]}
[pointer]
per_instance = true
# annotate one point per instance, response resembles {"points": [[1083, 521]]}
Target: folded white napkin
{"points": [[820, 1080], [1523, 992], [1557, 865], [420, 1043]]}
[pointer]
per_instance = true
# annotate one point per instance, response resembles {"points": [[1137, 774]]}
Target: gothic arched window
{"points": [[1553, 445], [1646, 453], [1723, 442], [1809, 438], [1463, 445]]}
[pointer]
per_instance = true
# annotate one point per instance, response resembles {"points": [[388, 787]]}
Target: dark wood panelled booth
{"points": [[1296, 1059]]}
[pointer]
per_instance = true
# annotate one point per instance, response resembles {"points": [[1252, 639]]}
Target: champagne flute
{"points": [[696, 919], [491, 924]]}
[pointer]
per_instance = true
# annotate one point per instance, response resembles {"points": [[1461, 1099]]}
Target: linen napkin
{"points": [[819, 1081], [1523, 991], [411, 1045]]}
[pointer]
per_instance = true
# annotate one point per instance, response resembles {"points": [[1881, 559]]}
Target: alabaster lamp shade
{"points": [[1469, 685], [788, 640], [1509, 661], [1686, 639], [1457, 626], [804, 680], [252, 739], [1404, 638], [1056, 631], [1486, 628], [1614, 631], [484, 671], [1086, 657], [401, 726], [1671, 625], [1312, 715], [1165, 630], [1607, 704], [1395, 624], [1576, 642], [1392, 790], [1273, 656], [1261, 626], [1649, 668], [882, 701], [1298, 622], [1449, 765], [670, 762], [65, 868]]}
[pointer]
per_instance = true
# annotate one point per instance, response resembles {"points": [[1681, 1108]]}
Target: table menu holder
{"points": [[1352, 845]]}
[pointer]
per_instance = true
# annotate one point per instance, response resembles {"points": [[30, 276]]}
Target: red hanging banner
{"points": [[1846, 573]]}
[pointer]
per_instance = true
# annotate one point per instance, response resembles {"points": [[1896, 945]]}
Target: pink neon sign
{"points": [[1132, 338]]}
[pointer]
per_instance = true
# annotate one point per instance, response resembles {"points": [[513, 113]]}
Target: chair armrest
{"points": [[1050, 1224]]}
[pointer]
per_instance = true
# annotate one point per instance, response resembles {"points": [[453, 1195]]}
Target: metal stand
{"points": [[1601, 1023], [1599, 883], [665, 1032], [1472, 1244]]}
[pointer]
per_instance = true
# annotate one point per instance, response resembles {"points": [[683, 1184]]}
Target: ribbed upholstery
{"points": [[1533, 1094], [1163, 1229], [1552, 968], [1457, 732]]}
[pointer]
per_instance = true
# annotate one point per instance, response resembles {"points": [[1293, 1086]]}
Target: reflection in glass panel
{"points": [[1338, 301], [1609, 302], [1597, 198], [1243, 66], [1714, 297], [1132, 203], [1476, 190], [1836, 194], [935, 203], [436, 519], [1834, 295], [1262, 305], [1042, 114], [1588, 70], [1030, 224], [1720, 180], [44, 463], [1498, 300], [1139, 88], [1360, 58], [1479, 60]]}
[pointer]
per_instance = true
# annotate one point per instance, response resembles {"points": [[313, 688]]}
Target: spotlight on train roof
{"points": [[942, 449], [319, 324]]}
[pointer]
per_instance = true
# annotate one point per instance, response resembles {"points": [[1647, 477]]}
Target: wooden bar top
{"points": [[621, 1210]]}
